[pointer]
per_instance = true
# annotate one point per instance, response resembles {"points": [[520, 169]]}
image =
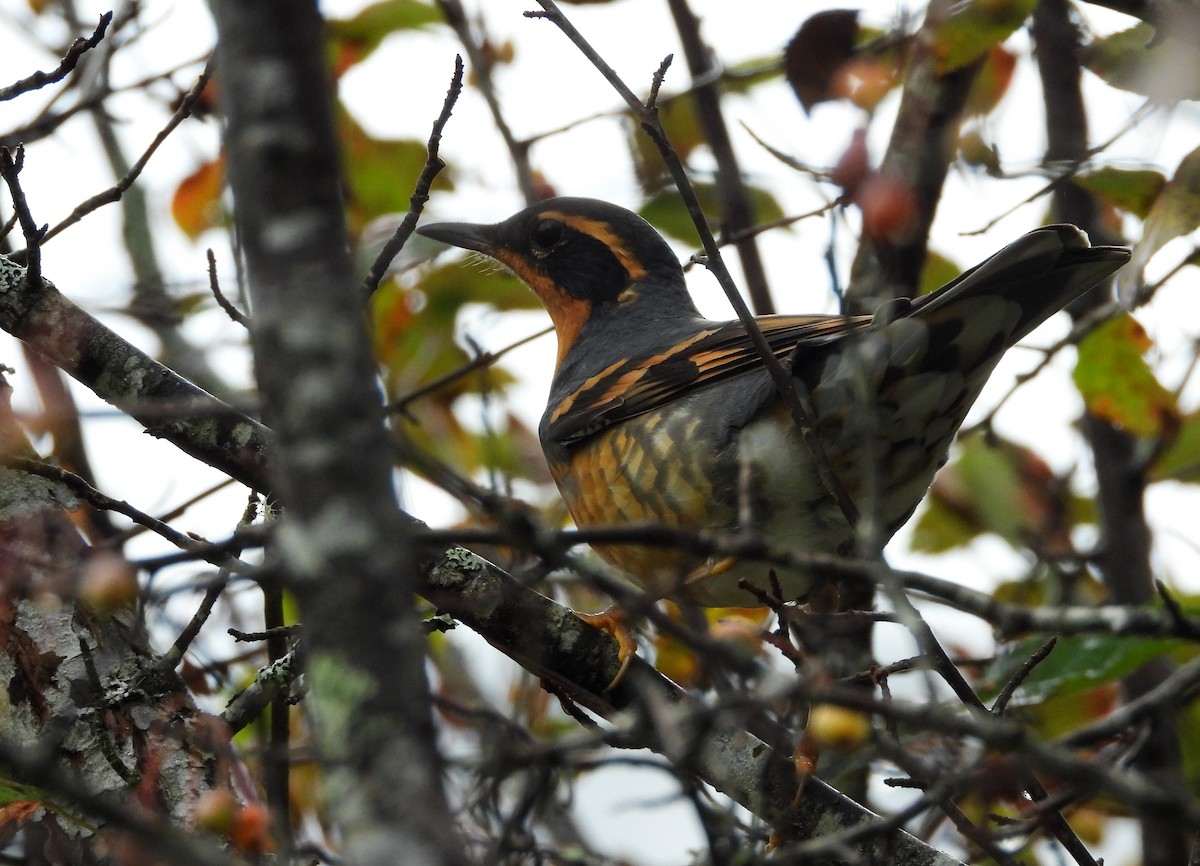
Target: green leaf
{"points": [[1131, 189], [351, 40], [973, 28], [1116, 382], [1175, 213], [415, 333], [940, 528], [937, 271], [1166, 68], [1180, 461], [994, 486], [666, 211], [450, 286], [415, 328], [16, 792], [1189, 741], [992, 81], [678, 118], [380, 173], [1077, 663], [744, 76]]}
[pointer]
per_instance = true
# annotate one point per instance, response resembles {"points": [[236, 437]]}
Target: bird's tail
{"points": [[1041, 273], [900, 388]]}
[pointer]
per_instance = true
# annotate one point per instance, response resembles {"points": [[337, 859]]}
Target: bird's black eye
{"points": [[546, 235]]}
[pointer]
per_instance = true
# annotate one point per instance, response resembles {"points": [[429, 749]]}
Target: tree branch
{"points": [[79, 47], [169, 406], [342, 542], [737, 217], [919, 155], [1120, 474]]}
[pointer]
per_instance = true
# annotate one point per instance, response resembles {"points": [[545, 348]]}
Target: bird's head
{"points": [[581, 257]]}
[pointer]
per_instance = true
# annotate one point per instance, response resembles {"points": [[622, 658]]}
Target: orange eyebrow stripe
{"points": [[602, 232]]}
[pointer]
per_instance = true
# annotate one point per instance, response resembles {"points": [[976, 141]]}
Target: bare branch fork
{"points": [[11, 163]]}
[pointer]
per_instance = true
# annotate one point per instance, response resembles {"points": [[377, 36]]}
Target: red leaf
{"points": [[821, 47]]}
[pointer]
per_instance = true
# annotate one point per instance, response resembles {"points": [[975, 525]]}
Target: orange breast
{"points": [[657, 468]]}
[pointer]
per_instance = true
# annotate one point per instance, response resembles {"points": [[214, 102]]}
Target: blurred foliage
{"points": [[677, 114], [739, 630], [416, 341], [1077, 664], [352, 40], [938, 271], [1162, 64], [1131, 190], [822, 46], [833, 57], [997, 486], [1181, 460], [196, 205], [974, 27], [1118, 385], [1175, 212], [380, 174], [992, 81], [666, 211]]}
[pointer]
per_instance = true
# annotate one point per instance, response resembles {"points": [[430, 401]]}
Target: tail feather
{"points": [[1041, 272], [900, 389]]}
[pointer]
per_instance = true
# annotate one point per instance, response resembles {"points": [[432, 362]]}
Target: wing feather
{"points": [[637, 385]]}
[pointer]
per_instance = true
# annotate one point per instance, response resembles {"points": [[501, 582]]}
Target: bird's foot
{"points": [[614, 623]]}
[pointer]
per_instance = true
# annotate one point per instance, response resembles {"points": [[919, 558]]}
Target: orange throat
{"points": [[566, 313]]}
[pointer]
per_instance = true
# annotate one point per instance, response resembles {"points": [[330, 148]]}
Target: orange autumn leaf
{"points": [[196, 205]]}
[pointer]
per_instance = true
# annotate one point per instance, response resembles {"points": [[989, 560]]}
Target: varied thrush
{"points": [[658, 415]]}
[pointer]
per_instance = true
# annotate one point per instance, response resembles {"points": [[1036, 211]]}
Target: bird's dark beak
{"points": [[469, 236]]}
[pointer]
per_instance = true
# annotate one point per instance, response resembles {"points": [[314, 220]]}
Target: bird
{"points": [[659, 416]]}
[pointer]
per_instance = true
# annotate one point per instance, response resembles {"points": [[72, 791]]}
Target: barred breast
{"points": [[682, 467]]}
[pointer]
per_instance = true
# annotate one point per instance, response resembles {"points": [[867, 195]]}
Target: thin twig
{"points": [[46, 123], [223, 302], [1068, 171], [433, 165], [79, 47], [483, 359], [114, 193], [121, 538], [210, 553], [11, 163], [1014, 682], [481, 66], [1008, 618], [174, 655], [1178, 687], [256, 636]]}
